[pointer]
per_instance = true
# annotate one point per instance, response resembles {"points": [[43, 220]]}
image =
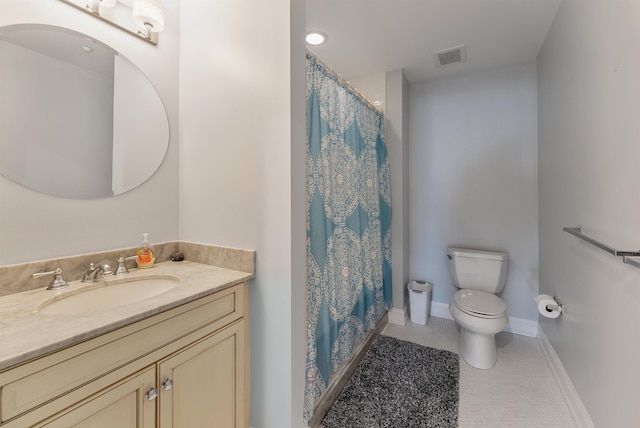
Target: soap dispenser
{"points": [[145, 257]]}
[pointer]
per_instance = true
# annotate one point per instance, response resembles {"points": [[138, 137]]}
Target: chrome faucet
{"points": [[94, 273]]}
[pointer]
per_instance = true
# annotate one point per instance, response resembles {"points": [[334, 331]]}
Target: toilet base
{"points": [[478, 350]]}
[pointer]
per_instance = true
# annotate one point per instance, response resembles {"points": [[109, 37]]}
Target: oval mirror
{"points": [[77, 119]]}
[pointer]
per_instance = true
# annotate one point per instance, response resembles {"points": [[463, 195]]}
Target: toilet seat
{"points": [[479, 304]]}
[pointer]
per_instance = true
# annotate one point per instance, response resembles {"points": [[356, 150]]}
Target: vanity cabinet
{"points": [[199, 386], [184, 367], [122, 405]]}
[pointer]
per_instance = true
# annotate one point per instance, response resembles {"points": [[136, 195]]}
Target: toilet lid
{"points": [[479, 302]]}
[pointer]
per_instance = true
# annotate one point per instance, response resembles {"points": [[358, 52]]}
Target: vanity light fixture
{"points": [[143, 18], [316, 38]]}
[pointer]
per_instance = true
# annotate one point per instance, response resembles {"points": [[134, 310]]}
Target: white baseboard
{"points": [[522, 327], [440, 310], [574, 403], [398, 316], [516, 325]]}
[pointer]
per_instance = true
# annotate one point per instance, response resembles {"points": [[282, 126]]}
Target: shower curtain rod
{"points": [[343, 80]]}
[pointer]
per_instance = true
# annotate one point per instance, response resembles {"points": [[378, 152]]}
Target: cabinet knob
{"points": [[167, 384], [151, 394]]}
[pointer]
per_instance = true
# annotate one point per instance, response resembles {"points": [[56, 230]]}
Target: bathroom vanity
{"points": [[176, 359]]}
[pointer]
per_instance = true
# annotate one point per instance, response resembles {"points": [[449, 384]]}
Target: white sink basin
{"points": [[107, 296]]}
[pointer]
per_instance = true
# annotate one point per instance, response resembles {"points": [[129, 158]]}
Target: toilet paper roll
{"points": [[545, 300]]}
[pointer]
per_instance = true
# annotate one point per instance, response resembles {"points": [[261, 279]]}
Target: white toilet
{"points": [[478, 311]]}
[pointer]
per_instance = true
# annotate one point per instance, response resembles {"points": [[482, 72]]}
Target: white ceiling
{"points": [[372, 36]]}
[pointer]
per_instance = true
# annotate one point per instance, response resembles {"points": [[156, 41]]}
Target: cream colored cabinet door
{"points": [[204, 384], [123, 405]]}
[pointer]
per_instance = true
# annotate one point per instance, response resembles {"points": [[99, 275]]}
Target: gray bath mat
{"points": [[399, 384]]}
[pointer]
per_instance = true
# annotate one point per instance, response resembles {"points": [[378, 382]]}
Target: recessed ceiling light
{"points": [[316, 38]]}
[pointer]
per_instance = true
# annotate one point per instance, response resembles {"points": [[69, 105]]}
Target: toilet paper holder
{"points": [[557, 307]]}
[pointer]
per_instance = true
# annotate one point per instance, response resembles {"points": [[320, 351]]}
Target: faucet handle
{"points": [[121, 265], [57, 283]]}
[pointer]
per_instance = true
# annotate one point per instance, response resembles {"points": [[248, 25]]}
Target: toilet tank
{"points": [[478, 269]]}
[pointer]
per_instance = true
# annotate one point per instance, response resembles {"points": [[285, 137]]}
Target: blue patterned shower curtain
{"points": [[348, 225]]}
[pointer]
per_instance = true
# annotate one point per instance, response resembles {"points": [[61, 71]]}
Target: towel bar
{"points": [[628, 257], [633, 261]]}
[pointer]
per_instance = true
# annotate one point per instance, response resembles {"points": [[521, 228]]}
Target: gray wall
{"points": [[397, 140], [589, 110], [242, 174], [474, 181]]}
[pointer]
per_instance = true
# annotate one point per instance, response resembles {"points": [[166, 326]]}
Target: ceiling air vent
{"points": [[450, 56]]}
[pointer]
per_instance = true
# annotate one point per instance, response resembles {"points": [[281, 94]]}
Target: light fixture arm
{"points": [[95, 7], [147, 33]]}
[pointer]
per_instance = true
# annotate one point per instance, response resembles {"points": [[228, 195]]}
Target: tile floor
{"points": [[519, 392]]}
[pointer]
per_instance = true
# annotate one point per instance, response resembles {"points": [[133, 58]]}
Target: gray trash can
{"points": [[419, 301]]}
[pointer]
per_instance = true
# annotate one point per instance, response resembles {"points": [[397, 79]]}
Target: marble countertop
{"points": [[26, 333]]}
